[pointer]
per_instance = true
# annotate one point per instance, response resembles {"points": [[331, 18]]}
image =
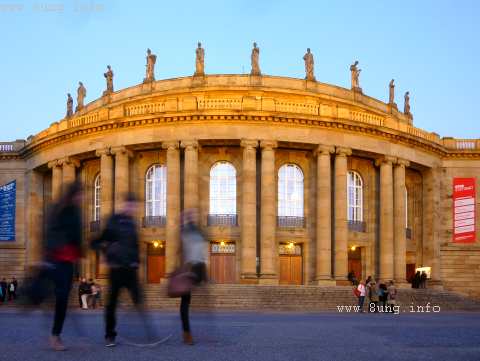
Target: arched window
{"points": [[355, 197], [156, 191], [223, 189], [290, 191], [97, 186]]}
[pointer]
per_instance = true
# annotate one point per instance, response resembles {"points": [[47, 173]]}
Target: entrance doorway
{"points": [[410, 272], [222, 262], [355, 262], [291, 264], [155, 261]]}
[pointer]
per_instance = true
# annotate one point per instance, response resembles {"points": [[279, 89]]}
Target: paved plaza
{"points": [[250, 336]]}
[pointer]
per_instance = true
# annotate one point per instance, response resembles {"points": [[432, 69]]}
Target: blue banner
{"points": [[8, 197]]}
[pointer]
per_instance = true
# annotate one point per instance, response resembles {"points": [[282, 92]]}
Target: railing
{"points": [[408, 233], [290, 222], [142, 109], [6, 147], [229, 220], [367, 118], [154, 221], [94, 226], [466, 144], [357, 226]]}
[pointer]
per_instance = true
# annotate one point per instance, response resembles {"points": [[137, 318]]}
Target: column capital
{"points": [[249, 143], [102, 151], [170, 145], [268, 144], [121, 150], [189, 144], [68, 161], [53, 164], [387, 159], [343, 151], [324, 149], [402, 162]]}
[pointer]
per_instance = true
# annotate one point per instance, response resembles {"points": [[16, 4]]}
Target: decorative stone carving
{"points": [[406, 107], [355, 76], [69, 105], [109, 77], [200, 60], [150, 67], [81, 94], [309, 72], [255, 60], [391, 93]]}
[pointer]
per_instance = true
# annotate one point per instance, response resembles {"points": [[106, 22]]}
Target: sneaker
{"points": [[57, 344], [187, 338], [110, 341]]}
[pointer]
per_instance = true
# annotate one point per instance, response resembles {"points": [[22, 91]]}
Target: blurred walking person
{"points": [[119, 242], [194, 258], [62, 252]]}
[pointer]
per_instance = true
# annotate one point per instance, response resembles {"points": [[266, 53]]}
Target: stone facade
{"points": [[257, 124]]}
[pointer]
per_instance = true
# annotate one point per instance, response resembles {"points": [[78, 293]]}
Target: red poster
{"points": [[463, 210]]}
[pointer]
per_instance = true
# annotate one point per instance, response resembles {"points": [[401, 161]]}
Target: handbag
{"points": [[180, 283]]}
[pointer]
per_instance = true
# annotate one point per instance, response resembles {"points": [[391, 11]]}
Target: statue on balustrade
{"points": [[199, 60], [109, 77], [308, 58], [81, 94], [391, 94], [69, 105], [150, 71], [255, 60], [355, 76], [406, 106]]}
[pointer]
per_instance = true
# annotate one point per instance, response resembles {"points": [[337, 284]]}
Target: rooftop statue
{"points": [[355, 76], [150, 71], [81, 94], [255, 60], [309, 72], [69, 105], [109, 77], [391, 94], [406, 107], [200, 60]]}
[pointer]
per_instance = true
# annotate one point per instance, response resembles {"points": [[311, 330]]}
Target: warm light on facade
{"points": [[353, 248]]}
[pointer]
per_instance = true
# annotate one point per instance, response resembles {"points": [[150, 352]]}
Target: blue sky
{"points": [[431, 48]]}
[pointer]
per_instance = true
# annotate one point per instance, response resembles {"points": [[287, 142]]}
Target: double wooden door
{"points": [[355, 266], [223, 263], [155, 262], [291, 269]]}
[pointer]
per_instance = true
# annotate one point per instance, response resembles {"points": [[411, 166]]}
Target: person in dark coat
{"points": [[119, 242], [416, 280], [3, 286], [423, 280]]}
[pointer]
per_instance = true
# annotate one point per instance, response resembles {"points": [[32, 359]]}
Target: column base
{"points": [[324, 282], [343, 282], [435, 284], [249, 279], [268, 279], [402, 284]]}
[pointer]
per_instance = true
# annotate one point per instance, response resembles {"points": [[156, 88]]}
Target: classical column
{"points": [[386, 218], [400, 221], [56, 179], [268, 244], [106, 184], [249, 211], [68, 171], [341, 226], [191, 174], [431, 224], [324, 214], [34, 216], [173, 205], [122, 179]]}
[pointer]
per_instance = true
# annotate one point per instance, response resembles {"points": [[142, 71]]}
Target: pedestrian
{"points": [[361, 296], [383, 295], [423, 280], [84, 290], [350, 277], [194, 258], [119, 242], [392, 296], [62, 252], [12, 289], [416, 280], [373, 297], [368, 280], [4, 287], [95, 296]]}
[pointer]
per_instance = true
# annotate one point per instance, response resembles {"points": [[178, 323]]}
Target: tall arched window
{"points": [[97, 186], [290, 191], [355, 197], [156, 191], [223, 189]]}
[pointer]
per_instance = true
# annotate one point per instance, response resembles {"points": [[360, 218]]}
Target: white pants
{"points": [[84, 301]]}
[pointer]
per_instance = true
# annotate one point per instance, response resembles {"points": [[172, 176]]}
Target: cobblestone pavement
{"points": [[250, 336]]}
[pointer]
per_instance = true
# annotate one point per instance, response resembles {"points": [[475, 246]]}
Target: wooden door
{"points": [[291, 270], [155, 268], [223, 262], [355, 266], [410, 271]]}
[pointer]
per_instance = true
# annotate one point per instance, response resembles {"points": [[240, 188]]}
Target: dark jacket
{"points": [[119, 242], [64, 234]]}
